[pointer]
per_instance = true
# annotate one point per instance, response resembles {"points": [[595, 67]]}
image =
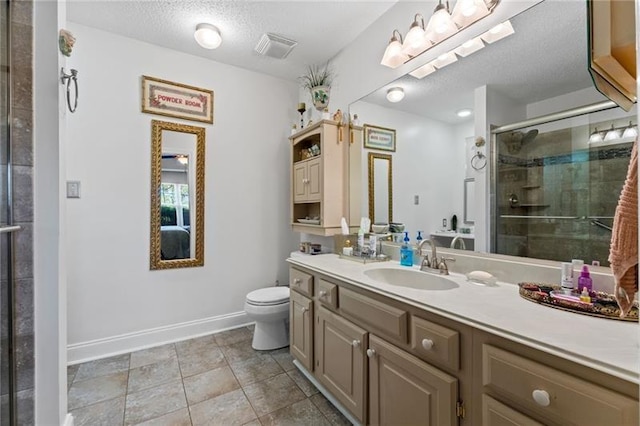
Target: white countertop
{"points": [[606, 345]]}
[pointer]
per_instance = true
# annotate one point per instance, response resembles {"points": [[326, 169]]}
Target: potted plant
{"points": [[318, 80]]}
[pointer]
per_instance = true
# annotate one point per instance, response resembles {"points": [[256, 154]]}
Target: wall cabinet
{"points": [[306, 181], [318, 184], [390, 363]]}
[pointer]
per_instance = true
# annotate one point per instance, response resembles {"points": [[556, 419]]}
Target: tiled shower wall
{"points": [[551, 176], [21, 45]]}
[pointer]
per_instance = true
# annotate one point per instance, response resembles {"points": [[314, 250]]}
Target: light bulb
{"points": [[467, 7], [630, 132], [612, 134], [596, 136]]}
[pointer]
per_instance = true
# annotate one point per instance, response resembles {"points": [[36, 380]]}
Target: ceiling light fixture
{"points": [[442, 25], [612, 134], [469, 47], [393, 56], [466, 112], [423, 71], [395, 94], [498, 32], [208, 36], [444, 60], [630, 132], [415, 41], [596, 136]]}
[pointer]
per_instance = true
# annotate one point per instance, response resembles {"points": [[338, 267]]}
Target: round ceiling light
{"points": [[208, 36], [395, 94], [464, 113]]}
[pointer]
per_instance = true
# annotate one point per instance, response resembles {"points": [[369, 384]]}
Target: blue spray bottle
{"points": [[406, 253]]}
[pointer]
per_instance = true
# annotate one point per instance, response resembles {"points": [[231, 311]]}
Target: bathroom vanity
{"points": [[431, 350]]}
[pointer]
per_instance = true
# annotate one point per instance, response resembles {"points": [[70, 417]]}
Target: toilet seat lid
{"points": [[269, 296]]}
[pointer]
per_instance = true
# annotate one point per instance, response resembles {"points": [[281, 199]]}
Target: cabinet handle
{"points": [[427, 344], [541, 397], [355, 343], [322, 294], [297, 282], [371, 353]]}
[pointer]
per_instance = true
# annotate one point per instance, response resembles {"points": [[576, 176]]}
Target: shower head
{"points": [[529, 136]]}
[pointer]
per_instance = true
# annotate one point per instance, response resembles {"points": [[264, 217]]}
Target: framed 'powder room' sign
{"points": [[172, 99]]}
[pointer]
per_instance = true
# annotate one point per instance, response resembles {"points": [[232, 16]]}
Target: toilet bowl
{"points": [[269, 308]]}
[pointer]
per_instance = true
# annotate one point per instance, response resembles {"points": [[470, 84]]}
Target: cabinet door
{"points": [[403, 390], [300, 182], [314, 182], [340, 360], [301, 329]]}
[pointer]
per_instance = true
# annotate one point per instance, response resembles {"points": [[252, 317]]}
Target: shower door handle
{"points": [[9, 229]]}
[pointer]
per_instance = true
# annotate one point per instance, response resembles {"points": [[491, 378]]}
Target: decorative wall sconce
{"points": [[442, 25], [208, 36]]}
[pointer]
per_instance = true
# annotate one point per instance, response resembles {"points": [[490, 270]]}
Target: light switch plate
{"points": [[73, 189]]}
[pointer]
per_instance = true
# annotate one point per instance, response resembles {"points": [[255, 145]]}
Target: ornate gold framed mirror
{"points": [[177, 195], [380, 188]]}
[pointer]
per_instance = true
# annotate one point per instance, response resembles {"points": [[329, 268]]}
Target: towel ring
{"points": [[68, 77], [479, 161]]}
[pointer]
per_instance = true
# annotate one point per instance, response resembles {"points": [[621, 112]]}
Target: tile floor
{"points": [[213, 380]]}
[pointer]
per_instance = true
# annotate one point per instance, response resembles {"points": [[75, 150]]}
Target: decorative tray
{"points": [[602, 304]]}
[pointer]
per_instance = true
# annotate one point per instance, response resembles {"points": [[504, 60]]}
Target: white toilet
{"points": [[269, 308]]}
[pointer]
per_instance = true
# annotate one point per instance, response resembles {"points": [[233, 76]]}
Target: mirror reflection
{"points": [[380, 188], [177, 203], [530, 74]]}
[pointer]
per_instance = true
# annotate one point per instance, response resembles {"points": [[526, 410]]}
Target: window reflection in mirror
{"points": [[177, 196]]}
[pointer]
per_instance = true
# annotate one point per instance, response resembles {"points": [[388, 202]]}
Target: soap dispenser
{"points": [[585, 280], [419, 238], [406, 253]]}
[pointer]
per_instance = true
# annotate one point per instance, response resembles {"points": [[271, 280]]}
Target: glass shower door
{"points": [[7, 369], [557, 185]]}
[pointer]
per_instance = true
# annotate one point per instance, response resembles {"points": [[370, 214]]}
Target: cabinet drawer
{"points": [[380, 317], [495, 413], [561, 397], [328, 293], [435, 342], [301, 282]]}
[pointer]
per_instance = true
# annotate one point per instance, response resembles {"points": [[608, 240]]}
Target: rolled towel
{"points": [[623, 254]]}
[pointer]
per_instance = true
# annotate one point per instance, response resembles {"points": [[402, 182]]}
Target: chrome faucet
{"points": [[455, 240], [433, 265]]}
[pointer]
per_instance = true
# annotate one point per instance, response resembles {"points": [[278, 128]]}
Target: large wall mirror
{"points": [[177, 195], [380, 188], [525, 75]]}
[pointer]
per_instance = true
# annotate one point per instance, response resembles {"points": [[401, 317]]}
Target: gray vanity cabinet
{"points": [[404, 390], [341, 361]]}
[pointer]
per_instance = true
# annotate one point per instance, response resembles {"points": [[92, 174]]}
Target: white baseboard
{"points": [[129, 342], [68, 421]]}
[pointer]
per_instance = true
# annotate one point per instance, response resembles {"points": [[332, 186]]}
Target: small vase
{"points": [[320, 97]]}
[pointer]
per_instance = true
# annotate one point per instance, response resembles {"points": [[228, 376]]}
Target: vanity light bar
{"points": [[498, 32]]}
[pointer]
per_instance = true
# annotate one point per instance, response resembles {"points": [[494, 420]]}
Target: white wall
{"points": [[113, 296], [50, 321], [424, 148]]}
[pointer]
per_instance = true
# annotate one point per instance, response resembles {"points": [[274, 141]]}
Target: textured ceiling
{"points": [[321, 28], [546, 57]]}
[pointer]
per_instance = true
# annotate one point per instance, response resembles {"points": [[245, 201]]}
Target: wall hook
{"points": [[67, 78]]}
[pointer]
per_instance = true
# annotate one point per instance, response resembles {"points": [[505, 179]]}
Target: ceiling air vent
{"points": [[275, 46]]}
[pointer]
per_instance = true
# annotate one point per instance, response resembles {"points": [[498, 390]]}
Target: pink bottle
{"points": [[585, 280]]}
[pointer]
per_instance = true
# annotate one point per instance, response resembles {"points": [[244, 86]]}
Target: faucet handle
{"points": [[442, 266], [426, 263]]}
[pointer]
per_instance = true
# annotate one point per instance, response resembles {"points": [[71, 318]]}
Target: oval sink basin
{"points": [[410, 278]]}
